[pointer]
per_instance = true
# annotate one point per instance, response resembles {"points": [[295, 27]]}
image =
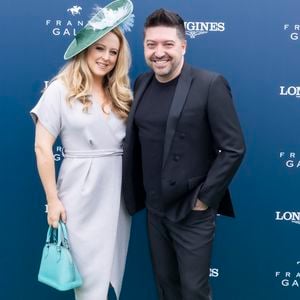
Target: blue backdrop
{"points": [[255, 45]]}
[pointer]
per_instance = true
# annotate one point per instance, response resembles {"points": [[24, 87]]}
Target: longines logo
{"points": [[293, 31], [288, 278], [289, 216], [289, 159], [293, 91], [193, 29], [67, 24]]}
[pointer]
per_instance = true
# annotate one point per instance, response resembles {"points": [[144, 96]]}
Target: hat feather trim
{"points": [[104, 17], [128, 23]]}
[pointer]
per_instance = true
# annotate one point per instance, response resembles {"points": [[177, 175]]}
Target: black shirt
{"points": [[151, 120]]}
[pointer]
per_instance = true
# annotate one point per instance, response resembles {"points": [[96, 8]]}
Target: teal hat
{"points": [[105, 19]]}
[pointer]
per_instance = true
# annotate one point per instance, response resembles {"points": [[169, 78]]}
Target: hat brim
{"points": [[90, 35]]}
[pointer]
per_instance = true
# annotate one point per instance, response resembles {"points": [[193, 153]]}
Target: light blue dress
{"points": [[89, 186]]}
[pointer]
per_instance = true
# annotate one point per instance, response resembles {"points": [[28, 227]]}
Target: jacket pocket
{"points": [[194, 182]]}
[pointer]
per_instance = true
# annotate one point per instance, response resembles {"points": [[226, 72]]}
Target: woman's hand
{"points": [[56, 212]]}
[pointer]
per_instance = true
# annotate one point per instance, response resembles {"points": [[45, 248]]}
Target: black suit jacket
{"points": [[203, 146]]}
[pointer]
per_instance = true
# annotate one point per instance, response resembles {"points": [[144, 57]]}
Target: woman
{"points": [[87, 104]]}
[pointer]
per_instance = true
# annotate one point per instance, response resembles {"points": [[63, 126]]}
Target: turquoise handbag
{"points": [[57, 268]]}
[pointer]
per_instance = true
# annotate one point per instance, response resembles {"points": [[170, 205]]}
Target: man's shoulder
{"points": [[204, 73], [206, 77]]}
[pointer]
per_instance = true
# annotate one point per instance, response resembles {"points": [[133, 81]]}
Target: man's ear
{"points": [[184, 45]]}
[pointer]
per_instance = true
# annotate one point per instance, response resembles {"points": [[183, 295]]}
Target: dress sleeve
{"points": [[48, 109]]}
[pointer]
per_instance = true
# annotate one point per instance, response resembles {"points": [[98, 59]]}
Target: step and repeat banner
{"points": [[255, 45]]}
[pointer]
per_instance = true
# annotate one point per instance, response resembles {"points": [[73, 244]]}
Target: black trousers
{"points": [[181, 254]]}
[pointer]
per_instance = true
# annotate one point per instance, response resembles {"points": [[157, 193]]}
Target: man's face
{"points": [[164, 51]]}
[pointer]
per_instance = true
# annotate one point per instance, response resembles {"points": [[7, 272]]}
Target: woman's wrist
{"points": [[52, 199]]}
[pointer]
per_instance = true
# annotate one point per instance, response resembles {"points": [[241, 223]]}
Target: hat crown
{"points": [[103, 21]]}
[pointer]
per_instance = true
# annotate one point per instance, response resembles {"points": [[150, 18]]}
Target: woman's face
{"points": [[102, 55]]}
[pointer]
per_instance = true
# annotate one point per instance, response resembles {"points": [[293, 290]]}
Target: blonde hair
{"points": [[77, 77]]}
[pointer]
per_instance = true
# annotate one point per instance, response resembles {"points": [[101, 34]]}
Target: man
{"points": [[183, 146]]}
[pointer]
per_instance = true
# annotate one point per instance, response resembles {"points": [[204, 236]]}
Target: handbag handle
{"points": [[64, 234], [59, 234]]}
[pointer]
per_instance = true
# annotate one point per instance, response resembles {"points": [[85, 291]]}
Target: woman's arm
{"points": [[45, 163]]}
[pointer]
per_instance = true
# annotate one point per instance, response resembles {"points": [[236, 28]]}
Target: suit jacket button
{"points": [[176, 158], [182, 135], [172, 183]]}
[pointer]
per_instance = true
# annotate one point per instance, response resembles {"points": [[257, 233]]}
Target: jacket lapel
{"points": [[139, 90], [182, 89]]}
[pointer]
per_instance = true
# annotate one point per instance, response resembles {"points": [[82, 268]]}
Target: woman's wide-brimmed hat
{"points": [[105, 19]]}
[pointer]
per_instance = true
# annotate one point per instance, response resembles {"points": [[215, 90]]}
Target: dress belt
{"points": [[92, 153]]}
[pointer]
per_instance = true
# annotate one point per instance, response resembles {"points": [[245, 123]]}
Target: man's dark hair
{"points": [[163, 17]]}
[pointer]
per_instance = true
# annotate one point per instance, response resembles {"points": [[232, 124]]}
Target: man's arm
{"points": [[228, 140]]}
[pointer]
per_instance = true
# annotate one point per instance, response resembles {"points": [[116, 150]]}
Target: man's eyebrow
{"points": [[165, 41]]}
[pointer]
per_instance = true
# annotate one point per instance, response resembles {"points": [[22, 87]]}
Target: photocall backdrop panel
{"points": [[255, 45]]}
